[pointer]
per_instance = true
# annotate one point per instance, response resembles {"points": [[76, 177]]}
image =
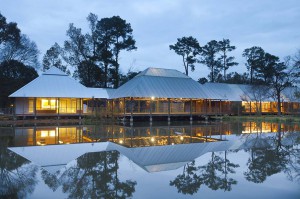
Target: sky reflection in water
{"points": [[261, 164]]}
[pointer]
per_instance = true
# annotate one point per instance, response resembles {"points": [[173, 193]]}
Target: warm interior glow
{"points": [[48, 104], [48, 133]]}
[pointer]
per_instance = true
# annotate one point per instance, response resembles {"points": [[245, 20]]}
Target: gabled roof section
{"points": [[161, 72], [230, 92], [163, 83], [54, 83]]}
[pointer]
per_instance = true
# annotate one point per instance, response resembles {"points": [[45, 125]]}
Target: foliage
{"points": [[209, 58], [120, 38], [202, 80], [13, 75], [128, 76], [188, 48], [226, 61], [89, 74], [24, 51], [53, 58], [100, 48], [95, 175], [18, 176], [8, 31], [214, 175], [254, 58], [236, 78]]}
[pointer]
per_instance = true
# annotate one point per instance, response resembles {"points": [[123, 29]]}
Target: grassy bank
{"points": [[265, 118]]}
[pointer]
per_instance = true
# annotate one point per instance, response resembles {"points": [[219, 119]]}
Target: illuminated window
{"points": [[50, 133], [48, 104]]}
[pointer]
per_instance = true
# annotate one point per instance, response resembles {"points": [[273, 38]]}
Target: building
{"points": [[55, 94], [154, 93]]}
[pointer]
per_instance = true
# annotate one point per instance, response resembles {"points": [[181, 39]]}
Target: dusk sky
{"points": [[272, 25]]}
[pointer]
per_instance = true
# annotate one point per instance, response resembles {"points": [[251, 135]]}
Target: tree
{"points": [[103, 37], [254, 57], [89, 74], [188, 48], [283, 75], [188, 182], [13, 75], [258, 93], [8, 31], [208, 58], [236, 78], [53, 58], [101, 47], [227, 61], [264, 70], [94, 175], [202, 80], [121, 39], [24, 51], [18, 175], [76, 49]]}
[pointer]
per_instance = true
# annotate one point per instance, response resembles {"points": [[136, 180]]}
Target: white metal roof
{"points": [[55, 83], [161, 72], [163, 83], [243, 92]]}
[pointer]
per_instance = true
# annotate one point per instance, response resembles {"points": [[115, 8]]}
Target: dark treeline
{"points": [[94, 58]]}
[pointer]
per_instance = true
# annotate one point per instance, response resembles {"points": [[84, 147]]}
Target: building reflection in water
{"points": [[142, 136]]}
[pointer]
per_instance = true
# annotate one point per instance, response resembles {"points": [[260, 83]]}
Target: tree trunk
{"points": [[278, 105]]}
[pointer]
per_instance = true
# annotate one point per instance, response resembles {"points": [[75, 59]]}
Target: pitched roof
{"points": [[55, 83], [163, 83], [244, 92]]}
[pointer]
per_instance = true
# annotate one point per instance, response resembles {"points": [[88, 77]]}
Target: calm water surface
{"points": [[202, 160]]}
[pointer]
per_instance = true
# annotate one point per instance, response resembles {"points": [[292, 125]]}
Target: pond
{"points": [[182, 160]]}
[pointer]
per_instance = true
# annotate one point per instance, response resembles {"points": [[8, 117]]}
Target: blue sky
{"points": [[273, 25]]}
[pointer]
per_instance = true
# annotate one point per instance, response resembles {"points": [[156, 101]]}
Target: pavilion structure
{"points": [[155, 93]]}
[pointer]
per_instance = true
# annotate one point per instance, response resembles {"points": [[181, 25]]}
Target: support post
{"points": [[34, 107], [131, 110], [191, 110], [124, 107], [150, 110], [220, 108], [169, 110], [80, 108]]}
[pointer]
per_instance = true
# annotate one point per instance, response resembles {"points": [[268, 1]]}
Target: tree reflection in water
{"points": [[95, 175], [265, 162], [17, 175], [214, 175]]}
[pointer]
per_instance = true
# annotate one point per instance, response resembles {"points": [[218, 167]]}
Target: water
{"points": [[203, 160]]}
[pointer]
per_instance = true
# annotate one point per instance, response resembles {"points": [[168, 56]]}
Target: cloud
{"points": [[273, 25]]}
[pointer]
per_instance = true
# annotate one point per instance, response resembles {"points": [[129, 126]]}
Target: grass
{"points": [[265, 118]]}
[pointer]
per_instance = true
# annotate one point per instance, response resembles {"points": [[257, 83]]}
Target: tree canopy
{"points": [[13, 75], [101, 47], [188, 48]]}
